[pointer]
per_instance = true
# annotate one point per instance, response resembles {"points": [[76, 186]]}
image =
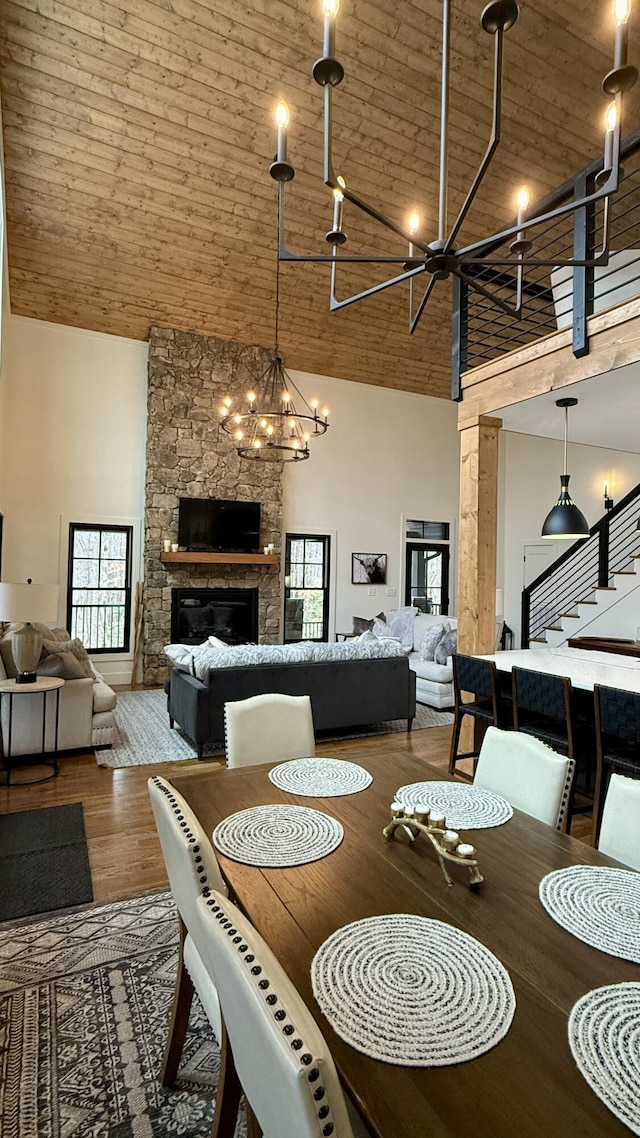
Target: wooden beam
{"points": [[477, 541]]}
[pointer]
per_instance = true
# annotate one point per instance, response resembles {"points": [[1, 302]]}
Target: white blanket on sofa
{"points": [[206, 657]]}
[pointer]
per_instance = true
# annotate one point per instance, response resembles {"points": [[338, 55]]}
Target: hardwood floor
{"points": [[124, 851]]}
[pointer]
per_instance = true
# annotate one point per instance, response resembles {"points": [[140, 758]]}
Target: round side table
{"points": [[42, 686]]}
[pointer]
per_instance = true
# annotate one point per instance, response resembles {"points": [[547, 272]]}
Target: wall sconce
{"points": [[608, 502]]}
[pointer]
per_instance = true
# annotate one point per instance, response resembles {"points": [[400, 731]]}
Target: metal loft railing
{"points": [[587, 565], [555, 298]]}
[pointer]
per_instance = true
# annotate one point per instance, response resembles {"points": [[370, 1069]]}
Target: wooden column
{"points": [[477, 538]]}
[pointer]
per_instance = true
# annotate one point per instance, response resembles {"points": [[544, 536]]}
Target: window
{"points": [[427, 566], [306, 593], [99, 586]]}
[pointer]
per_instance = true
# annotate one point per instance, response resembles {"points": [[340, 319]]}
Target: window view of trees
{"points": [[99, 586], [306, 589]]}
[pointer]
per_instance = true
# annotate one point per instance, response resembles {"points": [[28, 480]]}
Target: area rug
{"points": [[84, 1005], [44, 863], [143, 734]]}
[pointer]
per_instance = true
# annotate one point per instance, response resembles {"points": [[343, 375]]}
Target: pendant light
{"points": [[565, 520]]}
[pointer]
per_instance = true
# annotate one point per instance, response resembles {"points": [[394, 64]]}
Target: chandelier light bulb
{"points": [[523, 198], [251, 396], [325, 412], [414, 222], [286, 398], [314, 404], [331, 7], [227, 401], [621, 11], [611, 116], [283, 116], [338, 195], [239, 435], [237, 419], [263, 423], [269, 431], [224, 410]]}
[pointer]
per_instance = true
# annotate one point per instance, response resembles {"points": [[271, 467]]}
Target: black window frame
{"points": [[429, 546], [127, 530], [326, 540]]}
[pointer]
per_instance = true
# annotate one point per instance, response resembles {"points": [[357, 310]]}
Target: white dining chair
{"points": [[191, 866], [620, 828], [526, 772], [282, 1061], [268, 728]]}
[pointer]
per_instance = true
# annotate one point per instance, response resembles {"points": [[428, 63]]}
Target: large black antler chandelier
{"points": [[440, 258]]}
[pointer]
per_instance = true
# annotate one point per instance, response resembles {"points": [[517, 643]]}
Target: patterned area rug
{"points": [[85, 1001], [143, 734]]}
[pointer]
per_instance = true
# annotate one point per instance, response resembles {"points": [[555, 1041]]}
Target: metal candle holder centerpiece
{"points": [[446, 843]]}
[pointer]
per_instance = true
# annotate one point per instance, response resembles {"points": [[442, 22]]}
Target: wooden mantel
{"points": [[220, 558]]}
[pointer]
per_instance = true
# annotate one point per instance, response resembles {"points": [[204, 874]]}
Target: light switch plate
{"points": [[371, 592], [391, 592]]}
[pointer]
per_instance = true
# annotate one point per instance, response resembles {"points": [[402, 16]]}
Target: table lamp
{"points": [[27, 603]]}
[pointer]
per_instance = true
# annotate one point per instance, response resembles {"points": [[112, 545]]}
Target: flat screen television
{"points": [[212, 525]]}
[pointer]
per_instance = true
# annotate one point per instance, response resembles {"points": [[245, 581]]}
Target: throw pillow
{"points": [[430, 641], [361, 624], [401, 624], [214, 642], [367, 634], [76, 648], [181, 657], [381, 628], [62, 664], [447, 646]]}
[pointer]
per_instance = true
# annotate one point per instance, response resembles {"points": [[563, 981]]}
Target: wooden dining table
{"points": [[527, 1085]]}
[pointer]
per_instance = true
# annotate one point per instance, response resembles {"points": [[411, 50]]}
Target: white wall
{"points": [[531, 468], [387, 455], [72, 447]]}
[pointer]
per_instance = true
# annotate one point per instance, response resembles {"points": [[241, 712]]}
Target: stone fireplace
{"points": [[188, 456]]}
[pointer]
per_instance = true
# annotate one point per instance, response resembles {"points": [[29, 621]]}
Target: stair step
{"points": [[570, 616], [537, 640], [602, 589], [625, 573]]}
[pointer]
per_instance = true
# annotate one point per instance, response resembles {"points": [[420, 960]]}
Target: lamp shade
{"points": [[28, 602], [565, 519]]}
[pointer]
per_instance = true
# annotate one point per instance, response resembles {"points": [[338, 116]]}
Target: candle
{"points": [[331, 8], [422, 812], [610, 123], [397, 808], [450, 839], [166, 545], [523, 202], [174, 547], [464, 850], [436, 821], [282, 122]]}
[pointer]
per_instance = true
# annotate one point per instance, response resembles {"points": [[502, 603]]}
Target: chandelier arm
{"points": [[601, 258], [335, 304], [327, 148], [609, 187], [286, 254], [492, 146], [413, 322], [493, 297]]}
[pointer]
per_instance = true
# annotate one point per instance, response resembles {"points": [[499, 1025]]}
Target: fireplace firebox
{"points": [[229, 614]]}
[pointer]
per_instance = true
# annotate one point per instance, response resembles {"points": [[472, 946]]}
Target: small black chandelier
{"points": [[440, 258], [269, 427]]}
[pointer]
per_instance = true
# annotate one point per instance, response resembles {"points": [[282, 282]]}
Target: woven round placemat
{"points": [[464, 807], [604, 1036], [320, 778], [277, 835], [412, 990], [598, 905]]}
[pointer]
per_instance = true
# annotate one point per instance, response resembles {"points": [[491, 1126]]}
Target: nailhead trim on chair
{"points": [[289, 1029], [297, 1044]]}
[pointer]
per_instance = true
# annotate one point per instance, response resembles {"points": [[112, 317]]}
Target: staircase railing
{"points": [[584, 567]]}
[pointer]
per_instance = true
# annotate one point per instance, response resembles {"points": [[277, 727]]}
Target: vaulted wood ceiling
{"points": [[138, 136]]}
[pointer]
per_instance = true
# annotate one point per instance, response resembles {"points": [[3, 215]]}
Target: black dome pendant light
{"points": [[565, 520]]}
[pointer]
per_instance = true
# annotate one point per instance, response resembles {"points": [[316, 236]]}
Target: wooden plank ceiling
{"points": [[138, 135]]}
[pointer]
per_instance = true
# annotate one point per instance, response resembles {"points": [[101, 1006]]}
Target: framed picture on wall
{"points": [[368, 568]]}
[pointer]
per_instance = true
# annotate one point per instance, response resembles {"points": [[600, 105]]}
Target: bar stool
{"points": [[617, 722], [472, 674], [543, 706]]}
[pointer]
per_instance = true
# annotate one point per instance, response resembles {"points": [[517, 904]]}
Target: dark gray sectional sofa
{"points": [[344, 693]]}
